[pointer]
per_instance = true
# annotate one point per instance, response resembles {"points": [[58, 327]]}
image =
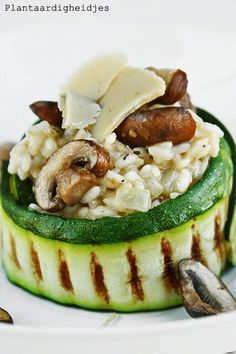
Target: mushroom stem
{"points": [[73, 183]]}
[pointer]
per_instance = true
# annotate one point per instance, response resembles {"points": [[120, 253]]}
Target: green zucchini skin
{"points": [[230, 227], [22, 191], [213, 186], [130, 276]]}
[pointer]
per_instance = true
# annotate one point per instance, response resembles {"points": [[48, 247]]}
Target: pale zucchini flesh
{"points": [[126, 276]]}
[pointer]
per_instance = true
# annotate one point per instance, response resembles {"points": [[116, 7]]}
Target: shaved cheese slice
{"points": [[78, 111], [132, 88], [95, 77]]}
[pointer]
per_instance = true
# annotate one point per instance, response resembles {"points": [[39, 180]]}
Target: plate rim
{"points": [[48, 331]]}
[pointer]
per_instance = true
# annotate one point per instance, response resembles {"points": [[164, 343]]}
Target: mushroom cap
{"points": [[83, 154], [176, 84], [47, 110], [150, 127]]}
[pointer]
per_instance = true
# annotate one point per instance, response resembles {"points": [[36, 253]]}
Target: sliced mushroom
{"points": [[176, 84], [73, 183], [174, 124], [202, 291], [5, 152], [49, 111], [73, 157], [5, 317]]}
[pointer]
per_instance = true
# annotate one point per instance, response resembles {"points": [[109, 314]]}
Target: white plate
{"points": [[38, 52]]}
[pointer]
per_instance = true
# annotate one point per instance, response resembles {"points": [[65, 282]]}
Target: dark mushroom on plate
{"points": [[69, 173], [5, 317], [203, 292]]}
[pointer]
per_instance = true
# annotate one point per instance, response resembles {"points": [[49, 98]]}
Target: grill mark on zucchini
{"points": [[64, 272], [169, 274], [98, 278], [14, 256], [219, 238], [151, 302], [196, 250], [135, 280], [35, 262]]}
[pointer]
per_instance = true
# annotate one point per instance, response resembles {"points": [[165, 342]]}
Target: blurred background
{"points": [[40, 50]]}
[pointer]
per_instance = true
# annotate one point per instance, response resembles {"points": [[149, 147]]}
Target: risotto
{"points": [[138, 178]]}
